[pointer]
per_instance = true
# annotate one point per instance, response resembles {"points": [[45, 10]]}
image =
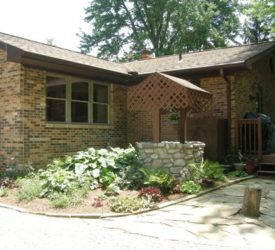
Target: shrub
{"points": [[190, 187], [127, 204], [151, 193], [192, 171], [212, 170], [55, 181], [103, 166], [61, 201], [237, 173], [3, 192], [158, 177], [29, 189]]}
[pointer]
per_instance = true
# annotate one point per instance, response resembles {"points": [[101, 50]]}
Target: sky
{"points": [[40, 20]]}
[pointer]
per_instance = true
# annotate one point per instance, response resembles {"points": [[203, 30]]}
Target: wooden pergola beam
{"points": [[156, 125]]}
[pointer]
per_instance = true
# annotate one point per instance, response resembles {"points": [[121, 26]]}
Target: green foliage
{"points": [[72, 198], [103, 166], [73, 176], [260, 22], [29, 189], [190, 187], [128, 204], [166, 26], [233, 156], [158, 177], [193, 171], [3, 192], [61, 201], [212, 170], [237, 173], [55, 181]]}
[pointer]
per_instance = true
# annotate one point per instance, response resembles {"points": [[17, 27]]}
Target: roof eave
{"points": [[237, 65], [60, 65], [250, 61]]}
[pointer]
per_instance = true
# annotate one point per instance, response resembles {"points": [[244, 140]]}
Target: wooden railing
{"points": [[249, 136]]}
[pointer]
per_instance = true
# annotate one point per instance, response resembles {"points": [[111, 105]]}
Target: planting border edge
{"points": [[109, 215]]}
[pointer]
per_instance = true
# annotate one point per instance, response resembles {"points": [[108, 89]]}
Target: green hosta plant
{"points": [[212, 170], [190, 187], [158, 177], [103, 165], [55, 181]]}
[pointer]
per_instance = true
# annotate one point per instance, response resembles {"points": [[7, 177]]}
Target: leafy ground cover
{"points": [[97, 181]]}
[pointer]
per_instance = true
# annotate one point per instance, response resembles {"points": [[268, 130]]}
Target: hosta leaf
{"points": [[80, 168], [96, 173]]}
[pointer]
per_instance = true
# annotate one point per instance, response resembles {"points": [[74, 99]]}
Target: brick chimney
{"points": [[146, 54]]}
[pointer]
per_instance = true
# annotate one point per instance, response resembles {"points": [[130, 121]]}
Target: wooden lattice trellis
{"points": [[162, 92], [159, 92]]}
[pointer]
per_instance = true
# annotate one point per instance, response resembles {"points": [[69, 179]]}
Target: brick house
{"points": [[55, 101]]}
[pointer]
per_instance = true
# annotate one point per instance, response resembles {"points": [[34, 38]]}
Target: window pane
{"points": [[56, 110], [80, 91], [100, 93], [58, 91], [79, 112], [100, 113]]}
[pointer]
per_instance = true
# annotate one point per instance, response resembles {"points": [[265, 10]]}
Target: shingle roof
{"points": [[197, 60], [184, 83], [200, 60], [60, 53]]}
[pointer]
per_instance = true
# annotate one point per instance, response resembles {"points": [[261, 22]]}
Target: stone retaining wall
{"points": [[171, 155]]}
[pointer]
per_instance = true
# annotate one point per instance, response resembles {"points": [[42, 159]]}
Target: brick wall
{"points": [[11, 147], [246, 85], [44, 141], [218, 88], [26, 137]]}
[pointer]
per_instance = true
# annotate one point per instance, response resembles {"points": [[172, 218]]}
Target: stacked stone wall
{"points": [[173, 156]]}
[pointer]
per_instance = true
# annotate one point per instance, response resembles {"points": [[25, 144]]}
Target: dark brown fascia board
{"points": [[63, 66], [249, 62], [198, 72], [72, 68]]}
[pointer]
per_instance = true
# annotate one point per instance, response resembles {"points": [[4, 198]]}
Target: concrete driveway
{"points": [[211, 221]]}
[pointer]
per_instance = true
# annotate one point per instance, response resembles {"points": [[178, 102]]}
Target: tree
{"points": [[260, 23], [165, 26]]}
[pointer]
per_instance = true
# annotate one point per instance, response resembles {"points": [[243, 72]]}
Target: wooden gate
{"points": [[249, 137]]}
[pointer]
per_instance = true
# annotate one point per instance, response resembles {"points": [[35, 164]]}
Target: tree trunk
{"points": [[251, 201]]}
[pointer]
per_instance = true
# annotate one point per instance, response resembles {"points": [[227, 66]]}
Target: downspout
{"points": [[229, 107]]}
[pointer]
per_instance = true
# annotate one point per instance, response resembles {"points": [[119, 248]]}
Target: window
{"points": [[70, 100], [100, 105], [56, 99], [80, 101]]}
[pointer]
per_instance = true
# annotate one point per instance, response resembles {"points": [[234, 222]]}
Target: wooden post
{"points": [[251, 201], [156, 125], [260, 139], [183, 126]]}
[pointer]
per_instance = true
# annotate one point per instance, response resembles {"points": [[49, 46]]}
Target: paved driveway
{"points": [[211, 221]]}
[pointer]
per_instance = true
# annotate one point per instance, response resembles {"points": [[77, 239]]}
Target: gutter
{"points": [[229, 104]]}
